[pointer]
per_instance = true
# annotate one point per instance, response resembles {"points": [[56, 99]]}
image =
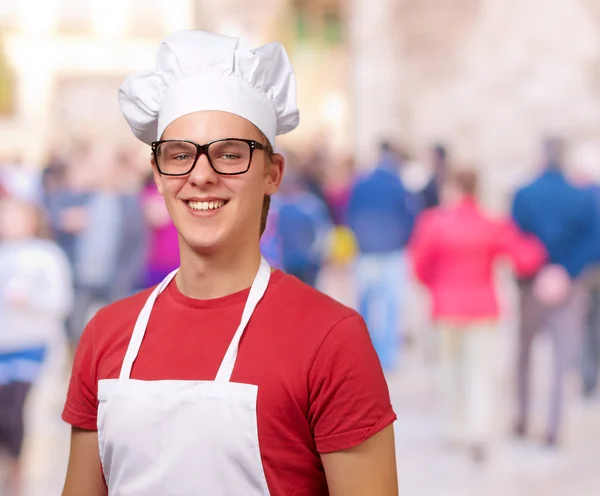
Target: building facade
{"points": [[60, 68], [67, 57], [489, 77]]}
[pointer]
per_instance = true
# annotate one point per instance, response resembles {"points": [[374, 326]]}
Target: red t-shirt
{"points": [[320, 385]]}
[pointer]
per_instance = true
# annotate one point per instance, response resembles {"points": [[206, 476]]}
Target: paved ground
{"points": [[514, 468], [425, 469]]}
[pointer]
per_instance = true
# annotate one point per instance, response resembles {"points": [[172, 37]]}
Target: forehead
{"points": [[209, 125]]}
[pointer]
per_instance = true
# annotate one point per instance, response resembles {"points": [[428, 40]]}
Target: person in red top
{"points": [[454, 250], [228, 378]]}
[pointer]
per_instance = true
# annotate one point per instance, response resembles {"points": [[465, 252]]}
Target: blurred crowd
{"points": [[92, 229]]}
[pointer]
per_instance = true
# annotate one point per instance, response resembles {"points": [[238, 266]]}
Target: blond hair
{"points": [[267, 199]]}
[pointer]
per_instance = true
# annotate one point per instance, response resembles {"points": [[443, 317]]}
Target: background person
{"points": [[565, 218], [35, 298]]}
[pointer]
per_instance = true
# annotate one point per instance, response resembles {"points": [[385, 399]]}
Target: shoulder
{"points": [[431, 217], [123, 309], [363, 181], [297, 306], [117, 319], [433, 213], [526, 193], [540, 182], [316, 325], [502, 226], [526, 189], [43, 251], [44, 246], [289, 290]]}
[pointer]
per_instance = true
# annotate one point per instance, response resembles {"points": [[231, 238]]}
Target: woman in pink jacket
{"points": [[453, 250]]}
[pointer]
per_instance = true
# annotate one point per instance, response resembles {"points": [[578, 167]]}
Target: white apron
{"points": [[163, 438]]}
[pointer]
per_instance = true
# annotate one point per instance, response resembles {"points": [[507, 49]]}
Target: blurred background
{"points": [[395, 97]]}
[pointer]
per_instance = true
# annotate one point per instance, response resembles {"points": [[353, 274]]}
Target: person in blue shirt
{"points": [[381, 213], [565, 218], [303, 228], [270, 244]]}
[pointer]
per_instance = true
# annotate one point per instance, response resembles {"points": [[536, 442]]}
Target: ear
{"points": [[157, 176], [274, 173]]}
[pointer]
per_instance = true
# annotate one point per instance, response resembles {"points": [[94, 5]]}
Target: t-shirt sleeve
{"points": [[349, 396], [81, 407]]}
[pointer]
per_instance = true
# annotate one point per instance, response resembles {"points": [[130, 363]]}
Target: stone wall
{"points": [[488, 76]]}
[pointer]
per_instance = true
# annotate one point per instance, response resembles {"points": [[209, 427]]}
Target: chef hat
{"points": [[197, 71]]}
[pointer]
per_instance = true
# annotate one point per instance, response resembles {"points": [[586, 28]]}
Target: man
{"points": [[303, 229], [564, 218], [381, 213], [227, 377]]}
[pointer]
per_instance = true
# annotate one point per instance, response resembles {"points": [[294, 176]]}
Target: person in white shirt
{"points": [[35, 297]]}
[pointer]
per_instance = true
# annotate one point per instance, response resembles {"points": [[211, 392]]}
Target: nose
{"points": [[203, 174]]}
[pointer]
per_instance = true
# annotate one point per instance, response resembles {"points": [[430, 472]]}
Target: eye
{"points": [[230, 156], [182, 157]]}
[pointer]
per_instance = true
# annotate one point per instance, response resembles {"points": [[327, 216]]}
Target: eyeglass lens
{"points": [[227, 157]]}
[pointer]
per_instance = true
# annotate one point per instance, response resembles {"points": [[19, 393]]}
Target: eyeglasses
{"points": [[229, 156]]}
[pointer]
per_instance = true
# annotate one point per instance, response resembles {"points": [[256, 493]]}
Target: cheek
{"points": [[170, 188], [248, 192]]}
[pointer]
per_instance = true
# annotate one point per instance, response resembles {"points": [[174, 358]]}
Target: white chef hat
{"points": [[197, 71]]}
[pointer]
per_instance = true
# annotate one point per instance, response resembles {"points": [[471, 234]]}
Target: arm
{"points": [[525, 251], [84, 472], [369, 468], [351, 415]]}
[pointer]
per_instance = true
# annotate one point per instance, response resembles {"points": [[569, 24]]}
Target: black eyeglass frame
{"points": [[203, 150]]}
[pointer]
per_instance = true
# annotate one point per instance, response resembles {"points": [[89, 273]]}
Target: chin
{"points": [[204, 244], [198, 236]]}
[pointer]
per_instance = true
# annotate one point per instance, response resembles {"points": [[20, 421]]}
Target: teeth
{"points": [[212, 205]]}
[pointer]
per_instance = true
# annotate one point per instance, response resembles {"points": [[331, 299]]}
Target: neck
{"points": [[214, 275]]}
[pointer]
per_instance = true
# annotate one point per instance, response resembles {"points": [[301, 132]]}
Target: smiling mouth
{"points": [[206, 206]]}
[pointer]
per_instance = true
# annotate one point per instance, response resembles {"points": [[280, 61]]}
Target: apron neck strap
{"points": [[140, 327], [257, 291]]}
